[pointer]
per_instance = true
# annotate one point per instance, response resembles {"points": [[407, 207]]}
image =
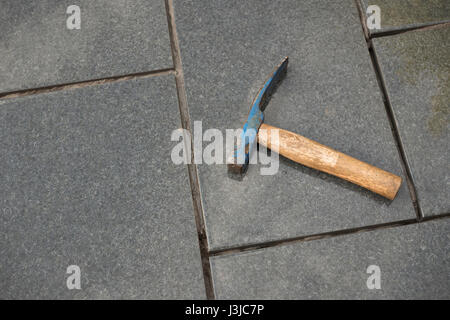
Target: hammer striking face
{"points": [[238, 162]]}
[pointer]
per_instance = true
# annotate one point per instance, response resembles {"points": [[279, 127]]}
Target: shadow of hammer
{"points": [[303, 150]]}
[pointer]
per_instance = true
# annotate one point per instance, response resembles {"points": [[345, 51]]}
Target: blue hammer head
{"points": [[239, 159]]}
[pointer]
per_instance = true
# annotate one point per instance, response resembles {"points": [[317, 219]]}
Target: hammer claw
{"points": [[239, 159]]}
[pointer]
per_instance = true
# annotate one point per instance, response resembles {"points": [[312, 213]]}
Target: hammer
{"points": [[303, 150]]}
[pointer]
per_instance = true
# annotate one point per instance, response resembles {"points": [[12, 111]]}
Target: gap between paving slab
{"points": [[116, 37], [192, 167], [259, 246], [394, 126], [413, 257], [395, 30], [81, 84], [399, 30], [434, 19], [415, 67]]}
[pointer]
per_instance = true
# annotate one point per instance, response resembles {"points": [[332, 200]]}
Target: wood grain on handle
{"points": [[317, 156]]}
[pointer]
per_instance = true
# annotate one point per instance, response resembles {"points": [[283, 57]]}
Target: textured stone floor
{"points": [[86, 118]]}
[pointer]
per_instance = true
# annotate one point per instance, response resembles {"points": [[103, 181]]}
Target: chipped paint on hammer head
{"points": [[239, 159]]}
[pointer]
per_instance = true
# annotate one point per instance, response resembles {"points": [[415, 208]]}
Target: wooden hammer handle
{"points": [[317, 156]]}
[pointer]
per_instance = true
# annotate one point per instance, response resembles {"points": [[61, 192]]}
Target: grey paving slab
{"points": [[116, 37], [416, 69], [396, 14], [330, 95], [87, 180], [413, 262]]}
